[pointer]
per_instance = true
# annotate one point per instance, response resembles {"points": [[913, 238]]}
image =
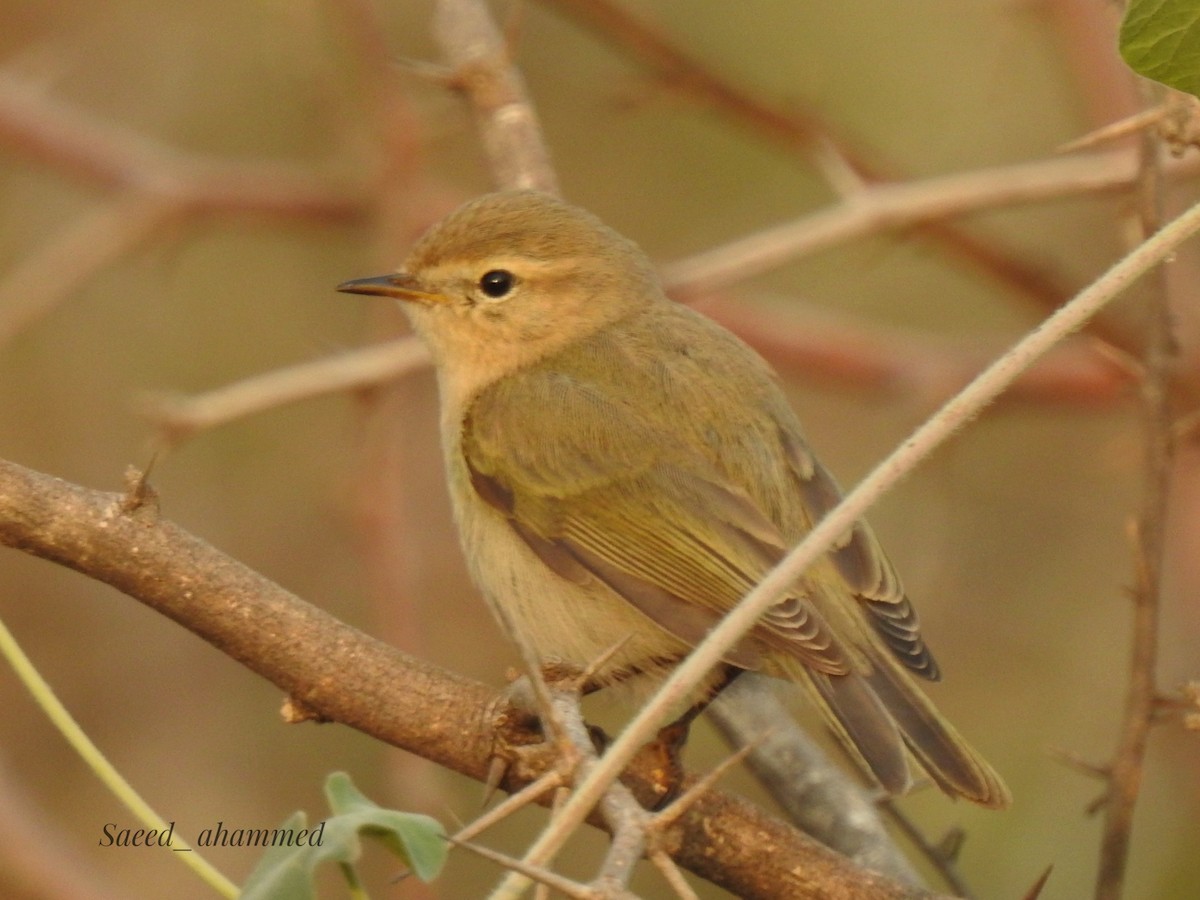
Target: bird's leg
{"points": [[518, 726], [519, 735], [668, 744]]}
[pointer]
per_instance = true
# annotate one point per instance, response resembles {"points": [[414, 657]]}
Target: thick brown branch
{"points": [[346, 676]]}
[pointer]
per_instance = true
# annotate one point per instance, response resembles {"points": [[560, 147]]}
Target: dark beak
{"points": [[398, 286]]}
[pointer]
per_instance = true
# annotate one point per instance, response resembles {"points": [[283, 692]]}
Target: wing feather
{"points": [[681, 547], [864, 566]]}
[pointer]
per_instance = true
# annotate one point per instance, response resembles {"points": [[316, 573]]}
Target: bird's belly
{"points": [[560, 619]]}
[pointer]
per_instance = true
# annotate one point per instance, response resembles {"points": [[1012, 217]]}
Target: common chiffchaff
{"points": [[624, 469]]}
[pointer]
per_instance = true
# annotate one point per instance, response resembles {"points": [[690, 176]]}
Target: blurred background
{"points": [[1013, 540]]}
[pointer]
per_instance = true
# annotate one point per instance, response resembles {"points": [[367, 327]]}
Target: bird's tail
{"points": [[880, 713]]}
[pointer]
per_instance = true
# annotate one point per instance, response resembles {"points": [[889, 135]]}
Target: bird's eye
{"points": [[497, 283]]}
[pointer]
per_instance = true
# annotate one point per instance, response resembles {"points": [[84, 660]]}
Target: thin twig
{"points": [[531, 793], [181, 417], [886, 207], [804, 340], [628, 33], [475, 49], [671, 874], [102, 767], [567, 886], [1115, 131]]}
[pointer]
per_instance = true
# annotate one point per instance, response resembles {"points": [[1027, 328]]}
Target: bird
{"points": [[623, 470]]}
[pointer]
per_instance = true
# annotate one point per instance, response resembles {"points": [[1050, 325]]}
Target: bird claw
{"points": [[517, 736], [666, 770]]}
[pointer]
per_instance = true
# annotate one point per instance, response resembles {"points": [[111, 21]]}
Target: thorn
{"points": [[1035, 890], [951, 844], [542, 876], [497, 768], [1079, 764], [400, 876], [1097, 805], [588, 675], [295, 711], [138, 492], [1114, 131]]}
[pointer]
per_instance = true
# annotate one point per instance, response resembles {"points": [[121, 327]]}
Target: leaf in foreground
{"points": [[289, 871]]}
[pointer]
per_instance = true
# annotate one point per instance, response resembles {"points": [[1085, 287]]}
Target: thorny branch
{"points": [[1125, 773], [342, 675]]}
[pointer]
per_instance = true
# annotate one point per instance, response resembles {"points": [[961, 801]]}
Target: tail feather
{"points": [[950, 761], [886, 722], [865, 727]]}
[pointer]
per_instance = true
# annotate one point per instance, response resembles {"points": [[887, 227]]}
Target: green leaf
{"points": [[285, 871], [1160, 39], [419, 840]]}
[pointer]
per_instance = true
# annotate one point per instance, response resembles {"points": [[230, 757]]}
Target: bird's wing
{"points": [[863, 565], [593, 490]]}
